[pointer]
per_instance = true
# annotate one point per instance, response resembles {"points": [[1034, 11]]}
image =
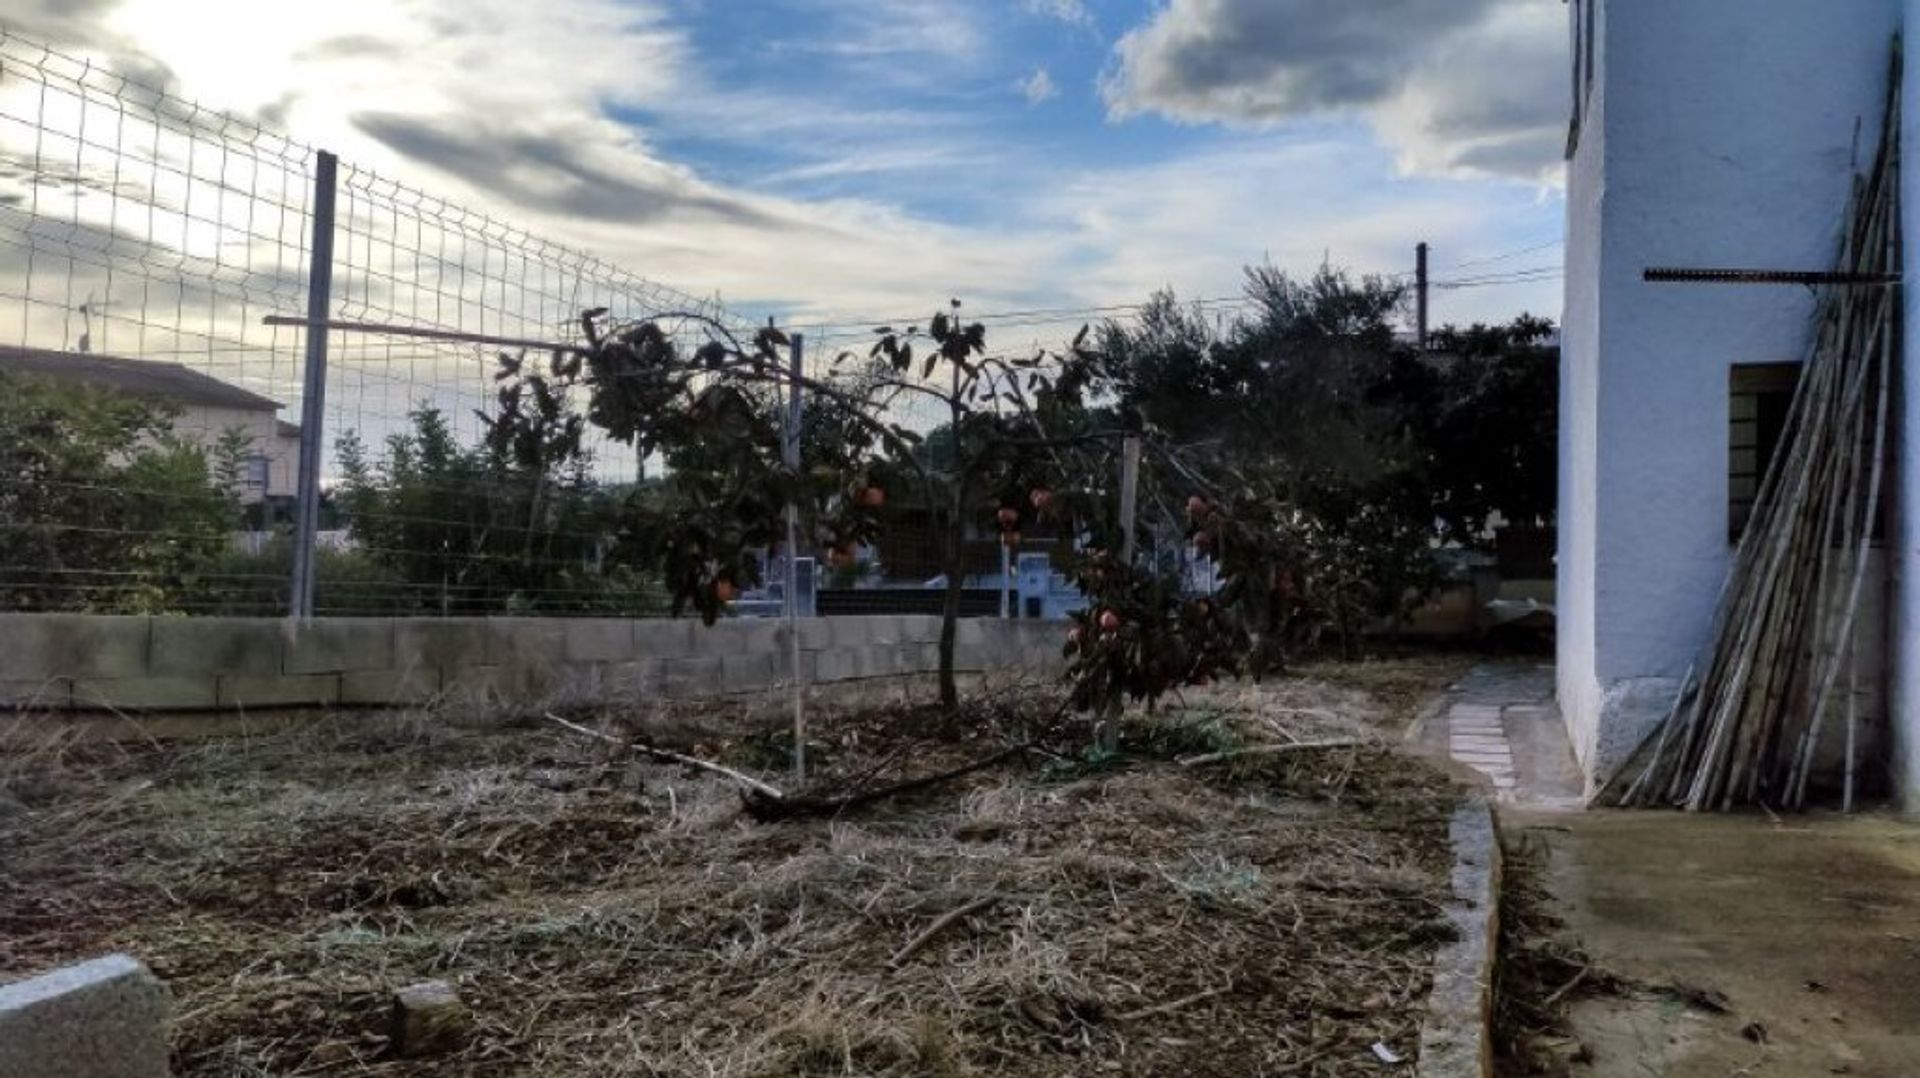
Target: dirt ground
{"points": [[1660, 943], [602, 915]]}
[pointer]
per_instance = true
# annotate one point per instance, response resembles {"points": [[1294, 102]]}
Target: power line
{"points": [[1049, 316], [1533, 273], [1060, 315], [1502, 281], [1507, 255], [1045, 315]]}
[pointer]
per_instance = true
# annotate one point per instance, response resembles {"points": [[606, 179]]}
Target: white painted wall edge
{"points": [[1904, 564]]}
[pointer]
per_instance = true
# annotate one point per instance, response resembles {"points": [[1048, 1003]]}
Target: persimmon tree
{"points": [[1019, 440], [1014, 446], [712, 413]]}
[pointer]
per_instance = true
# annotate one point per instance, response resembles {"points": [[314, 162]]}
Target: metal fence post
{"points": [[313, 401], [790, 452]]}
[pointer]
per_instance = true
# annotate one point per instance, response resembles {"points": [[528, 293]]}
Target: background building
{"points": [[207, 408]]}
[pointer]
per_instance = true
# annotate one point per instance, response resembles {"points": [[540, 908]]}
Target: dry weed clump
{"points": [[1066, 914]]}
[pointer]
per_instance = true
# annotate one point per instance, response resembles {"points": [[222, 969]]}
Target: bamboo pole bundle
{"points": [[1749, 721]]}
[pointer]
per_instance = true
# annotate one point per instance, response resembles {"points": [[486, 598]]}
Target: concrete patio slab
{"points": [[1810, 926]]}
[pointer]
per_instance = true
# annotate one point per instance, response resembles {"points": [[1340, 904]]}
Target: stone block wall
{"points": [[73, 662]]}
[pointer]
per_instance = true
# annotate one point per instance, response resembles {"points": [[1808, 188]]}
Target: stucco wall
{"points": [[51, 662], [1579, 687], [1722, 136], [1904, 614]]}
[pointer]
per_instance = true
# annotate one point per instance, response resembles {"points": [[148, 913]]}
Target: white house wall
{"points": [[206, 424], [1721, 135], [1904, 620], [1579, 686]]}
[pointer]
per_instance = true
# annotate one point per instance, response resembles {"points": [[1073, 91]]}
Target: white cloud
{"points": [[520, 111], [1122, 231], [1037, 87], [1491, 102], [1071, 12], [1467, 87], [562, 60], [891, 28]]}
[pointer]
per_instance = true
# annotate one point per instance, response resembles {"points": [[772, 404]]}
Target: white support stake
{"points": [[1006, 581], [791, 454], [1129, 494], [1129, 499]]}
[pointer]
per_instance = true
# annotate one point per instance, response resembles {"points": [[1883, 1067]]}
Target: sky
{"points": [[846, 161]]}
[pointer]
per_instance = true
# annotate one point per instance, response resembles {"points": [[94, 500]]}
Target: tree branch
{"points": [[667, 756]]}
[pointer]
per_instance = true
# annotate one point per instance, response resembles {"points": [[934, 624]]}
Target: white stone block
{"points": [[101, 1019]]}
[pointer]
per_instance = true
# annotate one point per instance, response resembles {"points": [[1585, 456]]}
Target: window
{"points": [[1581, 25], [1585, 89], [1759, 395], [258, 470]]}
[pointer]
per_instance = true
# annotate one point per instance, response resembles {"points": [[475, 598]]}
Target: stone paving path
{"points": [[1500, 721], [1477, 737]]}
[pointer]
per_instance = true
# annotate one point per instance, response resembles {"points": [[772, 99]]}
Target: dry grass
{"points": [[1398, 686], [604, 917]]}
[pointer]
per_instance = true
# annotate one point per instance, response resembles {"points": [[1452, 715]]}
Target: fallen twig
{"points": [[1561, 992], [1271, 750], [940, 924], [668, 756], [778, 807], [1174, 1004]]}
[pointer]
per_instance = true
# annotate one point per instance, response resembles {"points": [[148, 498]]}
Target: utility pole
{"points": [[1420, 286]]}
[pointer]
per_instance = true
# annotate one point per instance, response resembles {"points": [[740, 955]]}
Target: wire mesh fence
{"points": [[156, 270], [150, 427]]}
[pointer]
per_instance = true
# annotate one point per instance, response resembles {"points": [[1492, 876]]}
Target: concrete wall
{"points": [[95, 663], [1719, 133]]}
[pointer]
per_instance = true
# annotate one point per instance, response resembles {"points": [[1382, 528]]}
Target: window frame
{"points": [[1757, 394], [260, 465]]}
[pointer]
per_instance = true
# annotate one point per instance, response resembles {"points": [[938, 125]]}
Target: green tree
{"points": [[1331, 457], [1311, 479], [103, 507], [1484, 405], [515, 524], [347, 583]]}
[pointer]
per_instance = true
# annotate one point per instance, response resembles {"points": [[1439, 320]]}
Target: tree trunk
{"points": [[956, 572], [955, 561]]}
